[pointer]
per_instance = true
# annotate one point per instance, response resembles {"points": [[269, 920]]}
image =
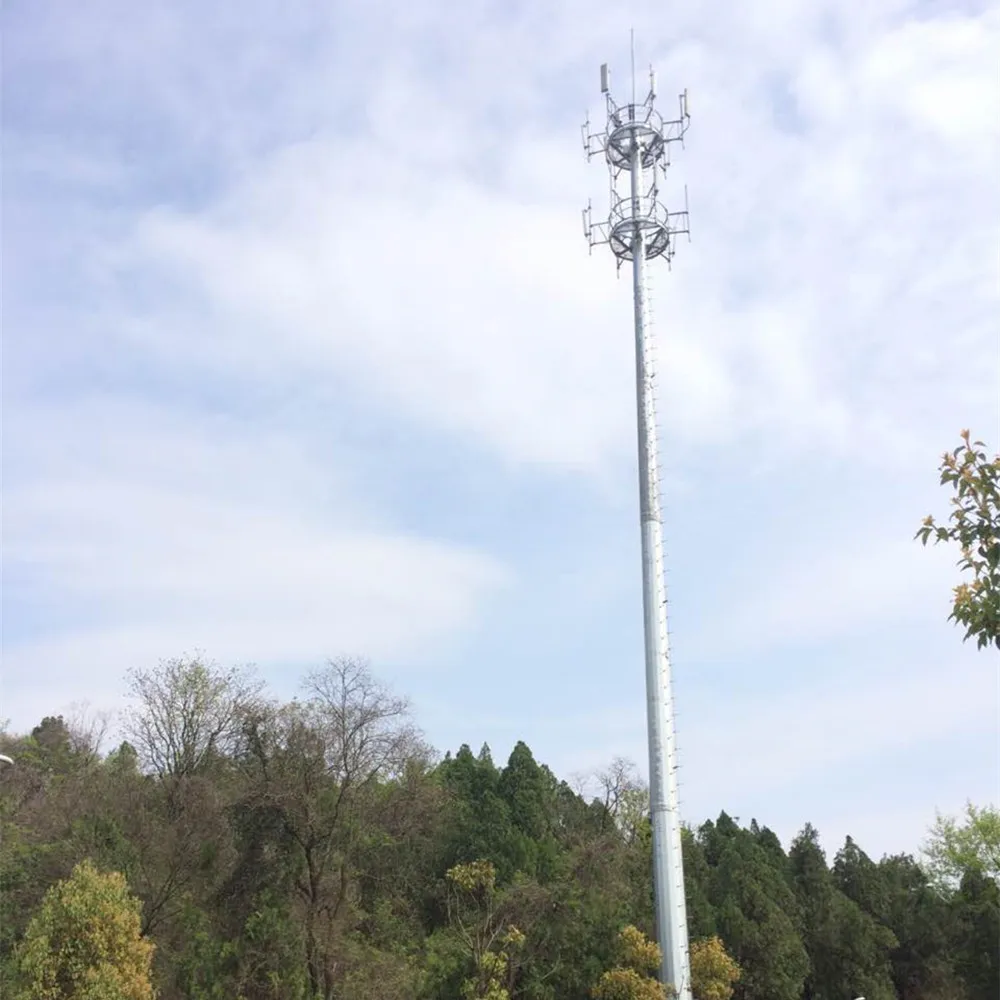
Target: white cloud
{"points": [[442, 268], [939, 76], [449, 308], [813, 592], [344, 201], [227, 542]]}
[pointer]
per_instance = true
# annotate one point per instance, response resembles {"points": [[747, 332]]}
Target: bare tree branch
{"points": [[88, 729], [187, 710]]}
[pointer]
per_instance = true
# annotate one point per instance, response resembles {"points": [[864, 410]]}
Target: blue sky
{"points": [[304, 356]]}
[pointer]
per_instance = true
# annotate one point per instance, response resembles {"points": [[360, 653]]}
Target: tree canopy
{"points": [[84, 942], [236, 846], [958, 847]]}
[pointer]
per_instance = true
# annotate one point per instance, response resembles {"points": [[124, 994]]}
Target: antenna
{"points": [[635, 143], [631, 36]]}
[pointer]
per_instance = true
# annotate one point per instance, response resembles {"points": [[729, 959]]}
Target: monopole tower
{"points": [[635, 144]]}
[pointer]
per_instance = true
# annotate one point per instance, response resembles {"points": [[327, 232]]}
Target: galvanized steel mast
{"points": [[635, 142]]}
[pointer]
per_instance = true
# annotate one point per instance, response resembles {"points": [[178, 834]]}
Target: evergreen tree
{"points": [[756, 913], [697, 880], [481, 827], [919, 917], [975, 935], [303, 857], [848, 950], [530, 794], [861, 880]]}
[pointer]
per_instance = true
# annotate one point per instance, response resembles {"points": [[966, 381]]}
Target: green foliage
{"points": [[955, 848], [185, 712], [51, 747], [487, 983], [638, 959], [85, 944], [478, 878], [919, 916], [524, 788], [713, 971], [314, 851], [444, 964], [204, 969], [627, 984], [974, 524], [697, 875], [861, 880], [478, 915], [482, 826], [849, 952], [975, 933], [757, 912], [636, 951]]}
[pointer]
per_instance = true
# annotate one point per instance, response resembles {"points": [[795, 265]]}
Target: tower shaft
{"points": [[638, 229], [668, 872]]}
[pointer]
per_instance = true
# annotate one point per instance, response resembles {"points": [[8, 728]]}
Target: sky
{"points": [[304, 356]]}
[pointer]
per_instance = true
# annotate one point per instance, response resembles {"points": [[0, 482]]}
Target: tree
{"points": [[627, 984], [482, 827], [713, 971], [57, 748], [313, 769], [84, 942], [625, 798], [52, 738], [572, 922], [302, 855], [489, 938], [632, 979], [523, 787], [861, 880], [47, 802], [187, 711], [178, 840], [919, 917], [697, 877], [757, 913], [975, 526], [975, 932], [952, 848], [88, 728], [848, 950], [530, 792]]}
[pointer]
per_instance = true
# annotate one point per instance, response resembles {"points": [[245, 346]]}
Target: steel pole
{"points": [[668, 872]]}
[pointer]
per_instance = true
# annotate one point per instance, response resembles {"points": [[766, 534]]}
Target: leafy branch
{"points": [[974, 524]]}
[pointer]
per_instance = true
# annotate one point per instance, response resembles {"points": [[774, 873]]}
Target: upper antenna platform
{"points": [[636, 139]]}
